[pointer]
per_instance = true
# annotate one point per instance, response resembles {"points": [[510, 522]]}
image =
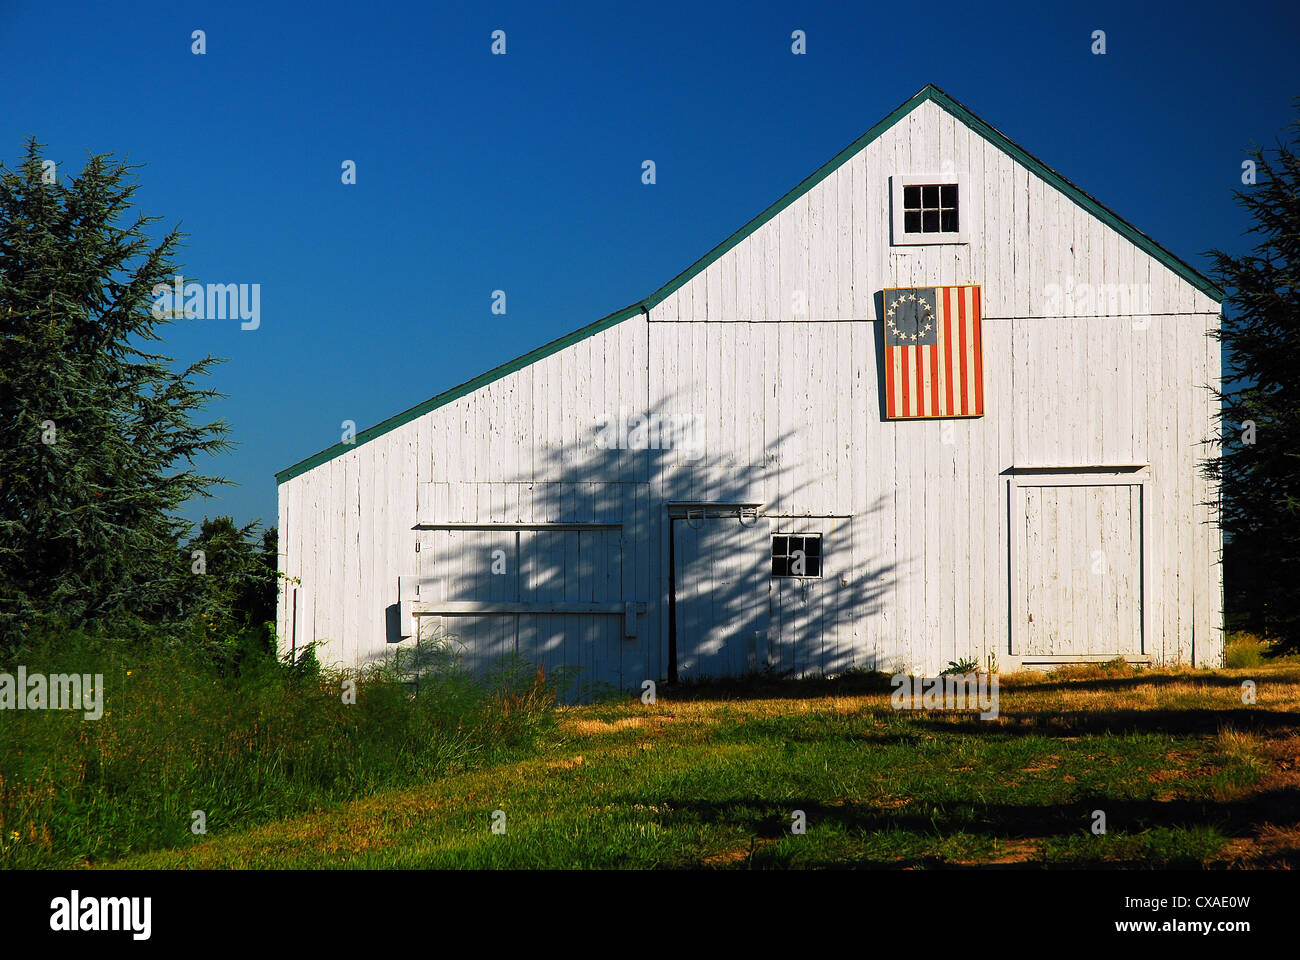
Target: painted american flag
{"points": [[933, 361]]}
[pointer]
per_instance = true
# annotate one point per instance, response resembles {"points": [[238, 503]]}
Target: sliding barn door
{"points": [[722, 576], [529, 581]]}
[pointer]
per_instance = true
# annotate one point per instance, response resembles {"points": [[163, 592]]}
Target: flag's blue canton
{"points": [[911, 318]]}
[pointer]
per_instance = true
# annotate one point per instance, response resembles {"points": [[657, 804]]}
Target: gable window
{"points": [[797, 555], [928, 209]]}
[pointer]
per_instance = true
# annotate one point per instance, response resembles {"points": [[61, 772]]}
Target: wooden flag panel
{"points": [[933, 353]]}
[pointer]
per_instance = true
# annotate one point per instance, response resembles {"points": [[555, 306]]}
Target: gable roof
{"points": [[929, 93]]}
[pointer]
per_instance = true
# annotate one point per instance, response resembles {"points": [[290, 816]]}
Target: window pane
{"points": [[808, 547], [911, 222], [931, 221], [949, 193], [930, 195], [950, 221], [911, 198]]}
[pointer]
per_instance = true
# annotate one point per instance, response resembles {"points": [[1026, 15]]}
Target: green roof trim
{"points": [[929, 93]]}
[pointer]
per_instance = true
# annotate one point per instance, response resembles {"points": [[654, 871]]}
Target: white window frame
{"points": [[899, 238]]}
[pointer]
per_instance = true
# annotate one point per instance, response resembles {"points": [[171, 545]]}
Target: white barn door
{"points": [[521, 590], [1078, 570], [722, 574]]}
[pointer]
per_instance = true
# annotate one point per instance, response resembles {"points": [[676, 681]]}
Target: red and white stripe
{"points": [[945, 380]]}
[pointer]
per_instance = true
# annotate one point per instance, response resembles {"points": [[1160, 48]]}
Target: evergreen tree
{"points": [[1259, 468], [236, 587], [97, 437]]}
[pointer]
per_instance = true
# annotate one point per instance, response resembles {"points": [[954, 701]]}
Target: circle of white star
{"points": [[929, 312]]}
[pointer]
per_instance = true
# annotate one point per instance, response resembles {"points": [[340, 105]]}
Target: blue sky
{"points": [[523, 172]]}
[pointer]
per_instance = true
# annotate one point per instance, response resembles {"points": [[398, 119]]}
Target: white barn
{"points": [[934, 403]]}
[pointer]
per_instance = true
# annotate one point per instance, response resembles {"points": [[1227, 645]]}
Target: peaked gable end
{"points": [[929, 95]]}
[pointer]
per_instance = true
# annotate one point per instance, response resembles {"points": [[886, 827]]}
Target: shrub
{"points": [[1245, 650]]}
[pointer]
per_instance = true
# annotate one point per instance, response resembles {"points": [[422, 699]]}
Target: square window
{"points": [[797, 555], [927, 212]]}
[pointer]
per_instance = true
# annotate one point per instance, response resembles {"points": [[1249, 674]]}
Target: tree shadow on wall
{"points": [[592, 526]]}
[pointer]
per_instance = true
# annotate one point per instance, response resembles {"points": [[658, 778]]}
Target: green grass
{"points": [[182, 732], [1185, 773]]}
